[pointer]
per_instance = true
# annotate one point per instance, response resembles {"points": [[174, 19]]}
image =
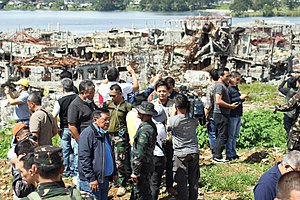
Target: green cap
{"points": [[48, 155], [146, 108]]}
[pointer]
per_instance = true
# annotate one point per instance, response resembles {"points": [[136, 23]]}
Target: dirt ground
{"points": [[6, 178]]}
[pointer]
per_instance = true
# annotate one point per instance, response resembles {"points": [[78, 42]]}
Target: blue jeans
{"points": [[74, 145], [65, 144], [233, 133], [101, 194], [25, 121], [212, 133]]}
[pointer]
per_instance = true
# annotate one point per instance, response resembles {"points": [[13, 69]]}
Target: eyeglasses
{"points": [[292, 168], [105, 119]]}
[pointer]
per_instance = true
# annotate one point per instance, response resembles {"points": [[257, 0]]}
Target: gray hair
{"points": [[34, 98], [86, 85], [67, 84], [292, 158]]}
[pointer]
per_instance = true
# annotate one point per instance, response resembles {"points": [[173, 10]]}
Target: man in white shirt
{"points": [[113, 77], [159, 155]]}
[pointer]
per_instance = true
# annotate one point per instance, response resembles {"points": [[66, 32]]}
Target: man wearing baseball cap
{"points": [[48, 163], [20, 131], [21, 111], [142, 161], [20, 187]]}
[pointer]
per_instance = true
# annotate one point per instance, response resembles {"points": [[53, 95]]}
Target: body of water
{"points": [[84, 22]]}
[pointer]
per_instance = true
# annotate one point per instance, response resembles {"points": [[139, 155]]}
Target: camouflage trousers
{"points": [[294, 140], [141, 190], [121, 148]]}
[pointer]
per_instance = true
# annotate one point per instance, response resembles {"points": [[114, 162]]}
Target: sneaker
{"points": [[220, 160], [236, 157], [121, 191], [172, 191]]}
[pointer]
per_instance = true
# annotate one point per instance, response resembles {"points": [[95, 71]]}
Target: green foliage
{"points": [[262, 128], [239, 6], [228, 178], [259, 128], [261, 92], [5, 141], [268, 11], [291, 4], [202, 136], [56, 140], [104, 5]]}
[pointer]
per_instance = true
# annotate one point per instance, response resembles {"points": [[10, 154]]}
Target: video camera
{"points": [[196, 109], [9, 84]]}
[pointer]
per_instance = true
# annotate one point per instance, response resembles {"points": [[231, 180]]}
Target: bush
{"points": [[262, 128], [5, 141], [259, 128]]}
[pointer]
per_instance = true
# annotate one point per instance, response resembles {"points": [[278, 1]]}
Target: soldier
{"points": [[142, 161], [48, 163], [118, 109], [294, 134]]}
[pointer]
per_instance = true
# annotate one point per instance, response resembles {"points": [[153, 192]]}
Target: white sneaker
{"points": [[218, 160]]}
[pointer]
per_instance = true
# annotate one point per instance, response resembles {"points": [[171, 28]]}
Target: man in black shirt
{"points": [[222, 107], [61, 109], [80, 114]]}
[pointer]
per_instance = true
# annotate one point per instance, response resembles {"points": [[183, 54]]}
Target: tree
{"points": [[104, 5], [165, 5], [259, 4], [292, 4], [239, 6], [268, 11], [179, 5]]}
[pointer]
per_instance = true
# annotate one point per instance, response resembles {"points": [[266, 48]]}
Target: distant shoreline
{"points": [[214, 11]]}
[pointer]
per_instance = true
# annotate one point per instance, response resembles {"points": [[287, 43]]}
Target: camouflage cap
{"points": [[48, 155], [146, 108]]}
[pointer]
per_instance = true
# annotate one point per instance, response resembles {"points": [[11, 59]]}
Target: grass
{"points": [[222, 6], [230, 181], [262, 93]]}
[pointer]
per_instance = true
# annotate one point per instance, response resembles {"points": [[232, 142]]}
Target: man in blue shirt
{"points": [[265, 188], [21, 111], [95, 159]]}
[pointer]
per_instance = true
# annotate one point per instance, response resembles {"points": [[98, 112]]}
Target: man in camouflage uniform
{"points": [[142, 161], [294, 134], [118, 109], [48, 163]]}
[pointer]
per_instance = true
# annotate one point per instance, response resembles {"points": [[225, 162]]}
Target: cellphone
{"points": [[122, 69]]}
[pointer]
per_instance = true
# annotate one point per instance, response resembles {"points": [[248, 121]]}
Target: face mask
{"points": [[103, 131], [88, 101], [18, 88]]}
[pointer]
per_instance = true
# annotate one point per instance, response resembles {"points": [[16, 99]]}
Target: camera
{"points": [[32, 137], [196, 107], [122, 69]]}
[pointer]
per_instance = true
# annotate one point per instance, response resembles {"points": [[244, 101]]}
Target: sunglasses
{"points": [[112, 95]]}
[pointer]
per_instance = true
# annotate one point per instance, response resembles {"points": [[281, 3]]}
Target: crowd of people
{"points": [[129, 140]]}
